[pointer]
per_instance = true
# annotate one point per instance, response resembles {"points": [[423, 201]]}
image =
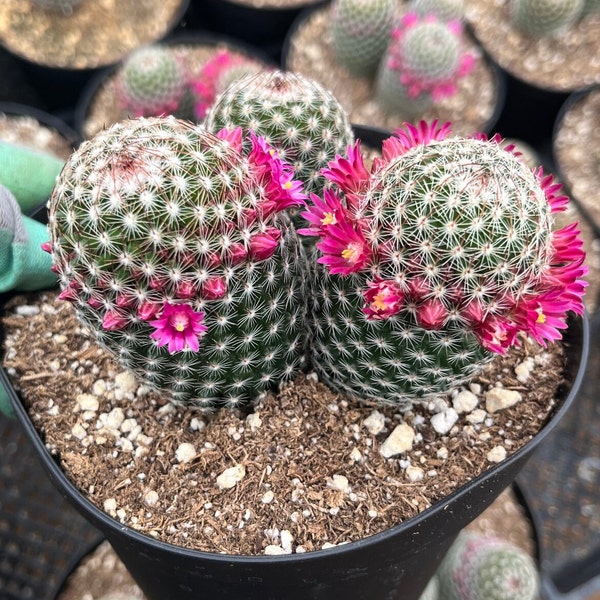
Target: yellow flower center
{"points": [[328, 219], [352, 252], [541, 318], [379, 301], [180, 321], [287, 185]]}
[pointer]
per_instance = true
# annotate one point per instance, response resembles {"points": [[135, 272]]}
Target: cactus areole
{"points": [[438, 257], [173, 246]]}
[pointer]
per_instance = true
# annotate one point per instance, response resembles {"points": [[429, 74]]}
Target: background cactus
{"points": [[295, 115], [360, 33], [440, 257], [545, 17], [152, 81], [66, 6], [479, 567], [422, 63], [174, 251], [445, 10]]}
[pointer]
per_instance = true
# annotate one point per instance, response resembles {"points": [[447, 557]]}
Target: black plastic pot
{"points": [[396, 563], [263, 27]]}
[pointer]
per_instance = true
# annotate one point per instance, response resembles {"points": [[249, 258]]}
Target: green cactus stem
{"points": [[174, 247], [480, 567], [545, 17], [422, 64], [445, 10], [360, 33], [438, 258]]}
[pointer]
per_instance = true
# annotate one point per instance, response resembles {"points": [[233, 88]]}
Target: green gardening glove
{"points": [[24, 266], [29, 174]]}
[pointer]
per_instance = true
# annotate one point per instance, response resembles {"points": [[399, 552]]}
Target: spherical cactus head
{"points": [[589, 7], [360, 33], [152, 81], [545, 17], [173, 245], [438, 258], [423, 62], [296, 115], [65, 6], [483, 567], [445, 10]]}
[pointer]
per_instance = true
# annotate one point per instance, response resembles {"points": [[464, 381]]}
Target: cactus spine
{"points": [[173, 247], [545, 17], [423, 61], [479, 567], [152, 81], [295, 115], [434, 261], [360, 33]]}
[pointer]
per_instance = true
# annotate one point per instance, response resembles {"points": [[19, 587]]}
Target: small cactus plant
{"points": [[218, 73], [482, 567], [545, 17], [65, 6], [172, 244], [435, 260], [152, 81], [445, 10], [297, 116], [425, 58], [360, 33]]}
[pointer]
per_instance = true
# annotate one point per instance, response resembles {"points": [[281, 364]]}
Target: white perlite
{"points": [[415, 474], [274, 550], [375, 422], [87, 402], [339, 482], [524, 369], [499, 398], [230, 477], [254, 421], [185, 453], [464, 402], [443, 421], [497, 454], [151, 498], [126, 382], [400, 440]]}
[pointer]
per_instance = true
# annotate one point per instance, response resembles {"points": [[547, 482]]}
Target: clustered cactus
{"points": [[440, 256], [545, 17], [217, 74], [174, 247], [425, 58], [486, 567], [152, 81], [296, 115], [360, 32]]}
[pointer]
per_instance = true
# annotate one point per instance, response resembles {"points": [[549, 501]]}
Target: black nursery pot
{"points": [[396, 563]]}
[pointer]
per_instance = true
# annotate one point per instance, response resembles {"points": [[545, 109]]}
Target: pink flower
{"points": [[431, 314], [113, 321], [185, 289], [148, 310], [344, 248], [383, 299], [71, 292], [234, 137], [558, 202], [214, 288], [179, 327], [323, 213], [496, 334], [263, 245], [350, 173], [543, 316], [410, 136]]}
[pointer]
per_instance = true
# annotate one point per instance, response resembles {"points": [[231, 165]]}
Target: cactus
{"points": [[480, 567], [295, 115], [589, 7], [545, 17], [431, 592], [360, 33], [177, 253], [152, 81], [423, 62], [66, 6], [445, 10], [218, 73], [439, 258]]}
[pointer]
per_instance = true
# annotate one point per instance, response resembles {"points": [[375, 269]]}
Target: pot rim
{"points": [[96, 515]]}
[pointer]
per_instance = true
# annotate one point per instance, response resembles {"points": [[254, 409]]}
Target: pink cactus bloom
{"points": [[214, 288], [542, 317], [431, 314], [263, 245], [71, 292], [323, 213], [114, 321], [344, 248], [237, 253], [179, 327], [383, 299], [234, 137], [558, 202], [496, 334], [409, 136], [349, 173], [148, 310], [47, 247]]}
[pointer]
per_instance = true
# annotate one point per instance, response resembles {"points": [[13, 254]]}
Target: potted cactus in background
{"points": [[174, 248]]}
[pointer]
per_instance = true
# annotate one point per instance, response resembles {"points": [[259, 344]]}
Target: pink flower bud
{"points": [[418, 288], [47, 247], [148, 310], [124, 300], [237, 253], [214, 287], [95, 303], [185, 289], [113, 321], [431, 314], [263, 245]]}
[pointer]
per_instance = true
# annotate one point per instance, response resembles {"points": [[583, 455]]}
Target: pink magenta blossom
{"points": [[148, 310], [214, 288], [263, 245], [558, 202], [323, 213], [431, 314], [383, 299], [349, 172], [344, 248], [179, 327], [410, 136], [496, 334], [113, 321], [234, 137]]}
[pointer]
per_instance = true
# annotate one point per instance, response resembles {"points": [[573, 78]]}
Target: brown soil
{"points": [[96, 34], [309, 471]]}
